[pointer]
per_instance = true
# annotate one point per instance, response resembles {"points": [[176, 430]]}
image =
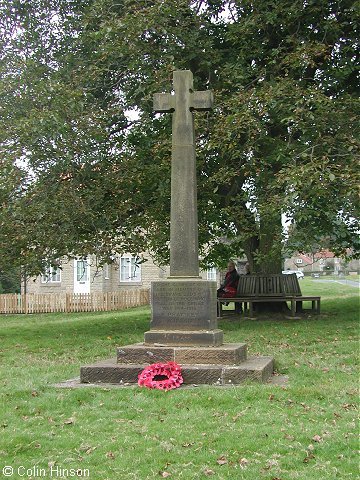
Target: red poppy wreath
{"points": [[163, 376]]}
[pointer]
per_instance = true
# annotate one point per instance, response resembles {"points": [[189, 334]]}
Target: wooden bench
{"points": [[254, 289]]}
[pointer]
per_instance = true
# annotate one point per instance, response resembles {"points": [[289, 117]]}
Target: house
{"points": [[83, 275], [323, 262]]}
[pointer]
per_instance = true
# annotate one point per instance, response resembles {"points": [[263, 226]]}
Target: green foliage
{"points": [[10, 281], [80, 176]]}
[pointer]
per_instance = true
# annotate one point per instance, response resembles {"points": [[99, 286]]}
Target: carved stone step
{"points": [[204, 338], [257, 369], [226, 354]]}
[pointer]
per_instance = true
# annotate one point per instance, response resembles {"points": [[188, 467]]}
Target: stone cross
{"points": [[184, 250]]}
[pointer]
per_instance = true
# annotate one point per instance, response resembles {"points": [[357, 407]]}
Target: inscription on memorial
{"points": [[183, 305]]}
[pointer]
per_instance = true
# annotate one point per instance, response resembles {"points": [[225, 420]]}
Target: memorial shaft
{"points": [[184, 252]]}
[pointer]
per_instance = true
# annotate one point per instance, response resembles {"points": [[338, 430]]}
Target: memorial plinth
{"points": [[183, 313]]}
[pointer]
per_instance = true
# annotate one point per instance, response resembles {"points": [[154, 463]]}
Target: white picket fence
{"points": [[72, 302]]}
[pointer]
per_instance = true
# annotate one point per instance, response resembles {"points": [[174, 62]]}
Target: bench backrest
{"points": [[268, 285], [291, 284]]}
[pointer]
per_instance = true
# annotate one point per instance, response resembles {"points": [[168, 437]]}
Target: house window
{"points": [[130, 269], [82, 270], [211, 273], [299, 260], [51, 275]]}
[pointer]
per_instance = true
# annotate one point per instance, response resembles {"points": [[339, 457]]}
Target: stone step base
{"points": [[258, 369], [140, 353], [204, 338]]}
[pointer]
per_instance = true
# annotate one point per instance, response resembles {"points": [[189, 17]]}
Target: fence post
{"points": [[25, 305], [67, 302]]}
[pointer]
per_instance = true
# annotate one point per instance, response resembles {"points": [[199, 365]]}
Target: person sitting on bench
{"points": [[229, 288]]}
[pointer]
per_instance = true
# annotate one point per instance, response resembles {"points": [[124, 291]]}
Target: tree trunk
{"points": [[250, 247], [264, 254], [269, 256]]}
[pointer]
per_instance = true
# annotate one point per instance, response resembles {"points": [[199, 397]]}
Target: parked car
{"points": [[298, 273]]}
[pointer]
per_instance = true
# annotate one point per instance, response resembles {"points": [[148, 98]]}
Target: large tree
{"points": [[79, 176]]}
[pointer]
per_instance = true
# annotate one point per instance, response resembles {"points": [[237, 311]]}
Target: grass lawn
{"points": [[304, 430], [353, 278]]}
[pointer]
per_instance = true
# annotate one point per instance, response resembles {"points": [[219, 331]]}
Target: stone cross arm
{"points": [[199, 100], [184, 96]]}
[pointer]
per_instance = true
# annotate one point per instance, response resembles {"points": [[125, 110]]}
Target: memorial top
{"points": [[182, 103], [184, 251]]}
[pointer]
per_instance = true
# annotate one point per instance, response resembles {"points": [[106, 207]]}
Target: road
{"points": [[350, 283]]}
